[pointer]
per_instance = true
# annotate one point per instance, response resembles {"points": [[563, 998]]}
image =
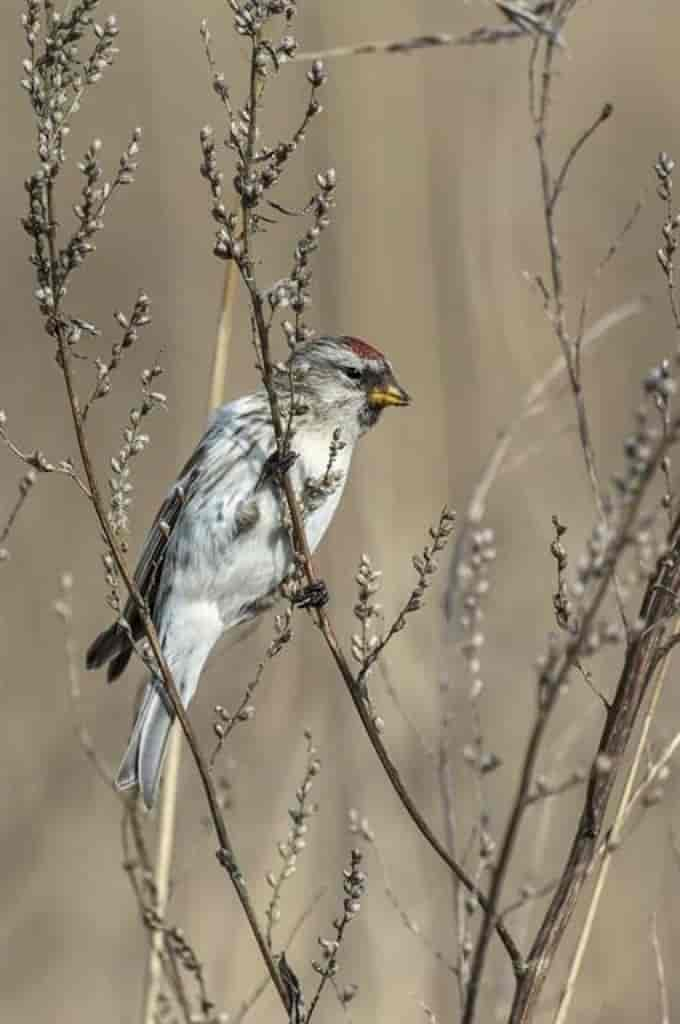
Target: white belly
{"points": [[233, 564]]}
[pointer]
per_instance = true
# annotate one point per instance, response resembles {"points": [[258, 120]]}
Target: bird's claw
{"points": [[277, 465], [314, 595]]}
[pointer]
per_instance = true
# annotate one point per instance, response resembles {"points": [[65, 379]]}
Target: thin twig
{"points": [[261, 987], [552, 190], [226, 855], [640, 669], [575, 149], [39, 462], [25, 487], [145, 894], [654, 774], [554, 676], [245, 264], [412, 44], [542, 831], [354, 884], [529, 896]]}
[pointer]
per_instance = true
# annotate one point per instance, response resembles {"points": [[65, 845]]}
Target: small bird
{"points": [[219, 549]]}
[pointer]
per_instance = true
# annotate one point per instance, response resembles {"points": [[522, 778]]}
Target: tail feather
{"points": [[118, 664], [113, 646], [106, 646], [195, 629], [143, 761]]}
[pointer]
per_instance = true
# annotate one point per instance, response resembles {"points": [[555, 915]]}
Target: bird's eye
{"points": [[352, 372]]}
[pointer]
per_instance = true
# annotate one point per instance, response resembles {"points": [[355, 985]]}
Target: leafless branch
{"points": [[249, 1002], [626, 800], [53, 268], [229, 246], [25, 487], [39, 462], [619, 722], [354, 885]]}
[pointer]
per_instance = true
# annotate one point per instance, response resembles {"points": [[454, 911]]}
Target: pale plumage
{"points": [[218, 549]]}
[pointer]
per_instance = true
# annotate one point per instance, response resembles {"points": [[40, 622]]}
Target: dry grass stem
{"points": [[168, 801], [664, 1007]]}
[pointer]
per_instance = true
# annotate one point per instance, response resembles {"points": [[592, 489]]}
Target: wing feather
{"points": [[235, 427]]}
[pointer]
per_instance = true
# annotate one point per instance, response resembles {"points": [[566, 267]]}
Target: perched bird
{"points": [[219, 548]]}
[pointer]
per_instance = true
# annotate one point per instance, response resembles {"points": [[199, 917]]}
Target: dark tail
{"points": [[112, 646]]}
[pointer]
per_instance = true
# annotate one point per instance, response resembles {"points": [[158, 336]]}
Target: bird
{"points": [[219, 549]]}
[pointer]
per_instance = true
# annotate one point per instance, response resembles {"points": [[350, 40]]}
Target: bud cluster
{"points": [[354, 885], [135, 442], [259, 166], [139, 318]]}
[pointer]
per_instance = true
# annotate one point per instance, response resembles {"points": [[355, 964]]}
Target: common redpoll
{"points": [[219, 548]]}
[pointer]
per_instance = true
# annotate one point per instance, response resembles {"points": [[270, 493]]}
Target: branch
{"points": [[639, 670], [621, 715], [240, 251], [522, 24], [225, 853], [38, 461], [626, 802], [53, 267], [248, 1003], [25, 487], [552, 189]]}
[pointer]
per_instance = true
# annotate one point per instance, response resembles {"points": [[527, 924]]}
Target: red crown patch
{"points": [[364, 350]]}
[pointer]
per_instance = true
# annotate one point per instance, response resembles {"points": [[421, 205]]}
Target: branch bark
{"points": [[225, 853], [301, 547], [659, 607]]}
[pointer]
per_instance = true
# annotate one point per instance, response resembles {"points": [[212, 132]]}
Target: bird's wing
{"points": [[231, 447], [234, 447], [150, 564]]}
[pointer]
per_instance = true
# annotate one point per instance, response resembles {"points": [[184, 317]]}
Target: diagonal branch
{"points": [[225, 853], [639, 670], [626, 801], [640, 662], [302, 550]]}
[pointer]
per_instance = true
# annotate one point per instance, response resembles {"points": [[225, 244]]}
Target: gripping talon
{"points": [[314, 595], [276, 466]]}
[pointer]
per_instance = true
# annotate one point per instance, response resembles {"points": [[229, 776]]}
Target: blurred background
{"points": [[438, 220]]}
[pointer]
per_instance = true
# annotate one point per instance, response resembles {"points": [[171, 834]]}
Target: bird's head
{"points": [[345, 379]]}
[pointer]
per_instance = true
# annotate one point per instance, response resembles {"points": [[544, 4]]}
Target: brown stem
{"points": [[639, 667], [303, 553], [554, 677], [552, 190], [328, 632], [225, 854]]}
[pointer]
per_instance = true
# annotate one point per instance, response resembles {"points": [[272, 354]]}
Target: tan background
{"points": [[438, 218]]}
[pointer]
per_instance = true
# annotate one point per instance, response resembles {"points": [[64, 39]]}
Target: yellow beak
{"points": [[391, 394]]}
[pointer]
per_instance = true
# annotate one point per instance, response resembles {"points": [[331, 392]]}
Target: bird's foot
{"points": [[277, 465], [314, 595]]}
